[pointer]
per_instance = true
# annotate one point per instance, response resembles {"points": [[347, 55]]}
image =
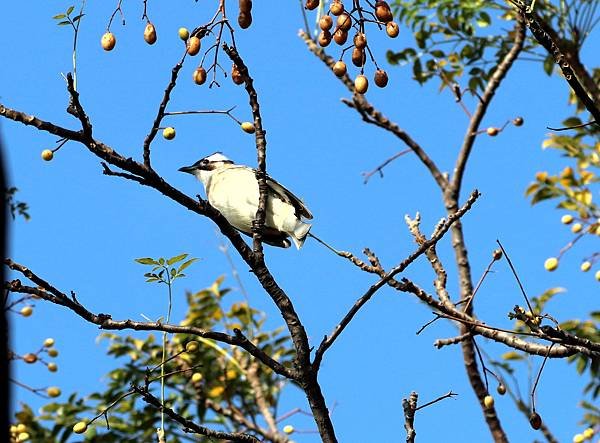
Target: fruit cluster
{"points": [[344, 22]]}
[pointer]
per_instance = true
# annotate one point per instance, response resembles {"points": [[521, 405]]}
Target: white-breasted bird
{"points": [[233, 190]]}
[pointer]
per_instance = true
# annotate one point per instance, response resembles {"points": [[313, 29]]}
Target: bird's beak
{"points": [[188, 169]]}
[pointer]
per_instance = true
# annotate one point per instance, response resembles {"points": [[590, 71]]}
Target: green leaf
{"points": [[146, 261], [186, 264], [63, 23], [512, 355], [176, 259], [59, 16], [70, 9]]}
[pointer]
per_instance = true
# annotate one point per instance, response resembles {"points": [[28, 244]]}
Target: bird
{"points": [[232, 189]]}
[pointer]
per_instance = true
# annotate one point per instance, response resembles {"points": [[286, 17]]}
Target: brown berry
{"points": [[150, 34], [381, 78], [47, 155], [193, 46], [383, 12], [324, 38], [361, 84], [340, 36], [326, 22], [245, 5], [30, 358], [358, 57], [360, 40], [497, 254], [199, 75], [518, 121], [344, 21], [244, 20], [492, 132], [501, 389], [311, 4], [336, 7], [392, 29], [535, 420], [236, 75], [108, 41], [339, 68]]}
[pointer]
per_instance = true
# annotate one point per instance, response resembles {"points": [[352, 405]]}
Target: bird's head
{"points": [[204, 167]]}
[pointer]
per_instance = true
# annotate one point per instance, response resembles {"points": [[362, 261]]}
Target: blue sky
{"points": [[86, 228]]}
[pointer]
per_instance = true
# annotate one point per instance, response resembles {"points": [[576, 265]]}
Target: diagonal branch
{"points": [[373, 116]]}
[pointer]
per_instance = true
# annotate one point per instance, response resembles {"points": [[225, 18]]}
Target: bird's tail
{"points": [[299, 234]]}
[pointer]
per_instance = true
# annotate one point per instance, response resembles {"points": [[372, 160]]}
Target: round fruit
{"points": [[23, 436], [324, 38], [245, 5], [49, 342], [392, 29], [336, 7], [184, 34], [492, 132], [344, 22], [150, 34], [244, 20], [588, 433], [108, 41], [21, 428], [192, 346], [169, 133], [52, 367], [236, 75], [381, 78], [30, 358], [361, 84], [26, 311], [551, 264], [578, 438], [586, 266], [360, 40], [311, 4], [248, 127], [199, 75], [566, 219], [576, 228], [53, 392], [340, 36], [597, 275], [358, 57], [339, 68], [326, 22], [288, 429], [488, 401], [518, 121], [47, 155], [196, 377], [383, 12], [52, 352], [193, 46], [80, 427], [497, 254], [501, 389]]}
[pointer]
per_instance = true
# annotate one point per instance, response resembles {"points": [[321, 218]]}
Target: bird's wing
{"points": [[288, 197]]}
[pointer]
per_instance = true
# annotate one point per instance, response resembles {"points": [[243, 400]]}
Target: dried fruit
{"points": [[381, 78], [501, 389], [497, 254], [340, 36], [49, 342], [518, 121], [53, 391], [383, 12], [169, 133], [150, 34], [360, 40], [30, 358], [108, 41], [245, 5], [324, 38], [184, 34], [361, 84], [336, 7], [344, 21], [52, 352], [339, 68], [26, 311], [52, 367], [311, 4], [236, 75], [358, 57], [248, 127], [244, 20], [535, 420], [392, 29], [199, 75], [47, 155], [193, 45], [491, 131], [326, 22]]}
